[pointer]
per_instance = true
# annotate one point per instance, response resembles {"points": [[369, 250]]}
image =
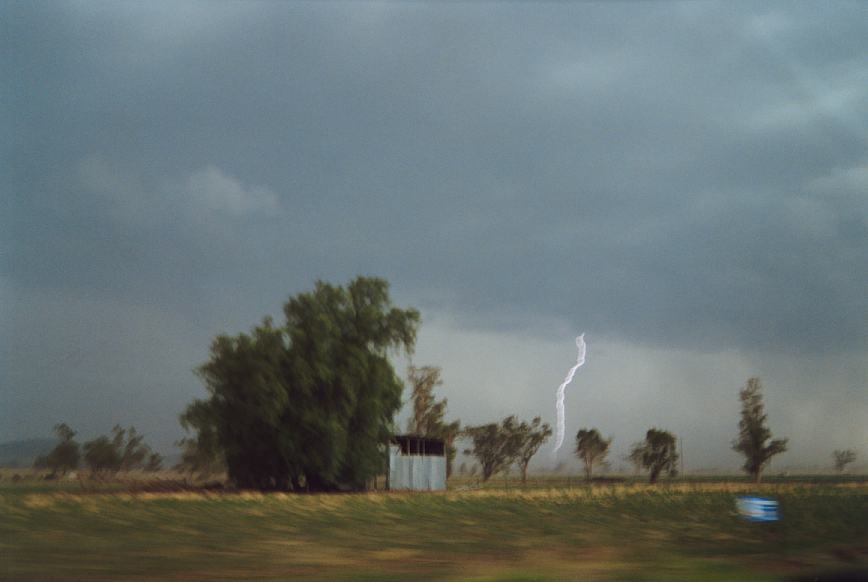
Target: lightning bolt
{"points": [[580, 344]]}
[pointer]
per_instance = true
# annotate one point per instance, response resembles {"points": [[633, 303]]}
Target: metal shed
{"points": [[417, 463]]}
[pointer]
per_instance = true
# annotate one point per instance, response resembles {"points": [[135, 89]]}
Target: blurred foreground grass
{"points": [[621, 532]]}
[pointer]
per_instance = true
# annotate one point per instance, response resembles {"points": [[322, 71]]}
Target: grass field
{"points": [[683, 531]]}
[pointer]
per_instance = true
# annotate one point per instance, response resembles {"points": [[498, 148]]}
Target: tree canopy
{"points": [[102, 456], [310, 404], [498, 446], [124, 451], [754, 439], [659, 453], [843, 458], [591, 448], [65, 456], [428, 413], [494, 445], [529, 438]]}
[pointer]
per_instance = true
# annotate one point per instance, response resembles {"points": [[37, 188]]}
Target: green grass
{"points": [[681, 532]]}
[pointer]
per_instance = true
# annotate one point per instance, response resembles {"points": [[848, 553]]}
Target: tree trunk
{"points": [[524, 474]]}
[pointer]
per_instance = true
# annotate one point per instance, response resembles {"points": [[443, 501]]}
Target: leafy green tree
{"points": [[659, 453], [309, 405], [131, 447], [495, 445], [754, 435], [591, 448], [102, 456], [252, 409], [124, 451], [530, 437], [843, 458], [65, 456], [427, 419]]}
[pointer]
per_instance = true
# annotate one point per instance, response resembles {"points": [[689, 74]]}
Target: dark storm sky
{"points": [[685, 182]]}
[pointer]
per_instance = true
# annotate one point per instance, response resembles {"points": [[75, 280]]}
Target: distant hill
{"points": [[22, 453]]}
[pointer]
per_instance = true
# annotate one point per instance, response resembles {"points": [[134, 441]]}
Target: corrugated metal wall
{"points": [[416, 472]]}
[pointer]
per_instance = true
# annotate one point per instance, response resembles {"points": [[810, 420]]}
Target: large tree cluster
{"points": [[307, 405]]}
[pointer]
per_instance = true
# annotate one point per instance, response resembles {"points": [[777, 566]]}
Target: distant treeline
{"points": [[309, 405], [123, 450]]}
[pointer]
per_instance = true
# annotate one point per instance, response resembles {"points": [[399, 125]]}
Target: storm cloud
{"points": [[686, 182]]}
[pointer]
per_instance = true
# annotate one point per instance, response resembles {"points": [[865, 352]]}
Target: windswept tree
{"points": [[124, 451], [428, 413], [529, 438], [65, 456], [591, 448], [755, 439], [133, 451], [102, 456], [659, 453], [309, 405], [495, 445], [843, 458]]}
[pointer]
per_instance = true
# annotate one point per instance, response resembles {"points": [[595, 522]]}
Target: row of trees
{"points": [[124, 450], [309, 404], [658, 453], [496, 447], [499, 446]]}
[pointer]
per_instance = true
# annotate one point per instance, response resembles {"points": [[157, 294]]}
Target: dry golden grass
{"points": [[680, 530]]}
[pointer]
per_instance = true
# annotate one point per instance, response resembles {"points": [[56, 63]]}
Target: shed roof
{"points": [[412, 444]]}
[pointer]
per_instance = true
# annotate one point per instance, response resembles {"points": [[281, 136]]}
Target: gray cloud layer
{"points": [[667, 176]]}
